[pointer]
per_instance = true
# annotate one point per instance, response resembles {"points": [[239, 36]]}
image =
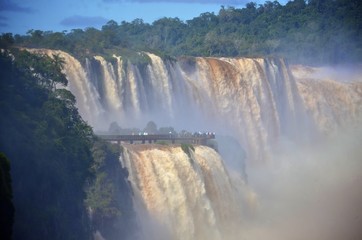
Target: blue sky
{"points": [[19, 16]]}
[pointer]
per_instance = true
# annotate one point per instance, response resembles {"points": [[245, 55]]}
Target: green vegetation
{"points": [[49, 147], [164, 143], [150, 128], [54, 154], [109, 196], [308, 32], [6, 196], [187, 148]]}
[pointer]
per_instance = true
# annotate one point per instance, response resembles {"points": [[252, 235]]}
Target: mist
{"points": [[312, 189], [285, 145], [310, 192], [287, 159]]}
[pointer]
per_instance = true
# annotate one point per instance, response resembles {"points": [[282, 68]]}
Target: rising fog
{"points": [[310, 192], [302, 189]]}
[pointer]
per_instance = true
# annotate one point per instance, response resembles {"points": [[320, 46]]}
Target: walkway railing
{"points": [[152, 138]]}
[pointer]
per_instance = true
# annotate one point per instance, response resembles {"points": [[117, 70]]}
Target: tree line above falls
{"points": [[307, 32]]}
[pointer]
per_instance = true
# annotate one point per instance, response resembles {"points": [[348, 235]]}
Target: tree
{"points": [[151, 127], [114, 128], [51, 158], [46, 70], [330, 30], [110, 34], [108, 194], [6, 40], [6, 195], [166, 130]]}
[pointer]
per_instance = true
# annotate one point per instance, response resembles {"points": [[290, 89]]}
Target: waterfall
{"points": [[332, 99], [160, 82], [258, 101], [185, 197], [262, 103]]}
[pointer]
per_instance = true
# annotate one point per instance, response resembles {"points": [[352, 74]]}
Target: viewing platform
{"points": [[153, 138]]}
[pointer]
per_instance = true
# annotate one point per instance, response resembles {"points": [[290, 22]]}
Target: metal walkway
{"points": [[152, 138]]}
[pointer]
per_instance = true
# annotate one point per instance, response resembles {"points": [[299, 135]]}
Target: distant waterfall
{"points": [[256, 100]]}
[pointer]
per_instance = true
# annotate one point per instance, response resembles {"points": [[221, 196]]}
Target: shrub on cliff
{"points": [[187, 148]]}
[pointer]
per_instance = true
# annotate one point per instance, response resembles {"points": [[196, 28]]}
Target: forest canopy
{"points": [[58, 166], [307, 32]]}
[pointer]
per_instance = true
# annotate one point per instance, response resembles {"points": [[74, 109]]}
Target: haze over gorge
{"points": [[299, 126], [246, 120]]}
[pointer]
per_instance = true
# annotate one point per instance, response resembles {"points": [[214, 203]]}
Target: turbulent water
{"points": [[262, 102], [185, 197], [258, 101], [332, 97]]}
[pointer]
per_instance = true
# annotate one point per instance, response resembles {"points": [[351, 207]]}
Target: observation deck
{"points": [[152, 138]]}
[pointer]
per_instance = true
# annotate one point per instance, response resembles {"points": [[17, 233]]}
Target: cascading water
{"points": [[262, 103], [254, 100], [257, 101], [185, 197], [333, 100]]}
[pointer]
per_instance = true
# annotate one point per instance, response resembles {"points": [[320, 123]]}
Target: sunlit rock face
{"points": [[180, 196]]}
